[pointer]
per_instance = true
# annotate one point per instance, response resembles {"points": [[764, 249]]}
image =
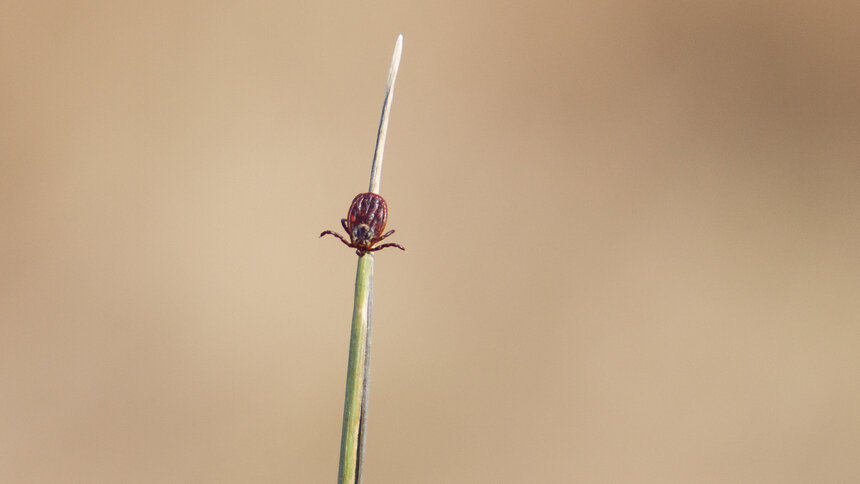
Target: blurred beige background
{"points": [[632, 233]]}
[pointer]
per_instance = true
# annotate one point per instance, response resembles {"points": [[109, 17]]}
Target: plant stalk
{"points": [[358, 370], [355, 400]]}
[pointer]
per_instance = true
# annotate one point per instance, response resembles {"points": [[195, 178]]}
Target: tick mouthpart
{"points": [[362, 234]]}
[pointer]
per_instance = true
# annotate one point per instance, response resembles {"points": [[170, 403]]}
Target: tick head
{"points": [[362, 235]]}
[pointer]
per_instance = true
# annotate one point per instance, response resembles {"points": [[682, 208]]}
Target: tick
{"points": [[365, 223]]}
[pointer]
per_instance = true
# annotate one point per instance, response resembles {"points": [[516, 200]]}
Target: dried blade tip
{"points": [[376, 167]]}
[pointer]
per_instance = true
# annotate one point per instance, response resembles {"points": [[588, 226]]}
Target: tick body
{"points": [[365, 224]]}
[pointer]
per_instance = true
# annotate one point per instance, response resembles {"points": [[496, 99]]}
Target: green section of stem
{"points": [[355, 401]]}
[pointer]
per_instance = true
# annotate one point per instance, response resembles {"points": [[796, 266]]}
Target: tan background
{"points": [[632, 232]]}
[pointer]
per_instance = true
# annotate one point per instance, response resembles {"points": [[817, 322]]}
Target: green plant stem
{"points": [[355, 401], [358, 370]]}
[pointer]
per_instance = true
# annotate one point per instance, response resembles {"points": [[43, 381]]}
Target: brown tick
{"points": [[365, 223]]}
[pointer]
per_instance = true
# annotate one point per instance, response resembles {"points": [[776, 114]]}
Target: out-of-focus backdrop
{"points": [[632, 234]]}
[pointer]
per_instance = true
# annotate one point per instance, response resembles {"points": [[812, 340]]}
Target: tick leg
{"points": [[380, 247], [343, 222], [386, 234], [329, 232]]}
